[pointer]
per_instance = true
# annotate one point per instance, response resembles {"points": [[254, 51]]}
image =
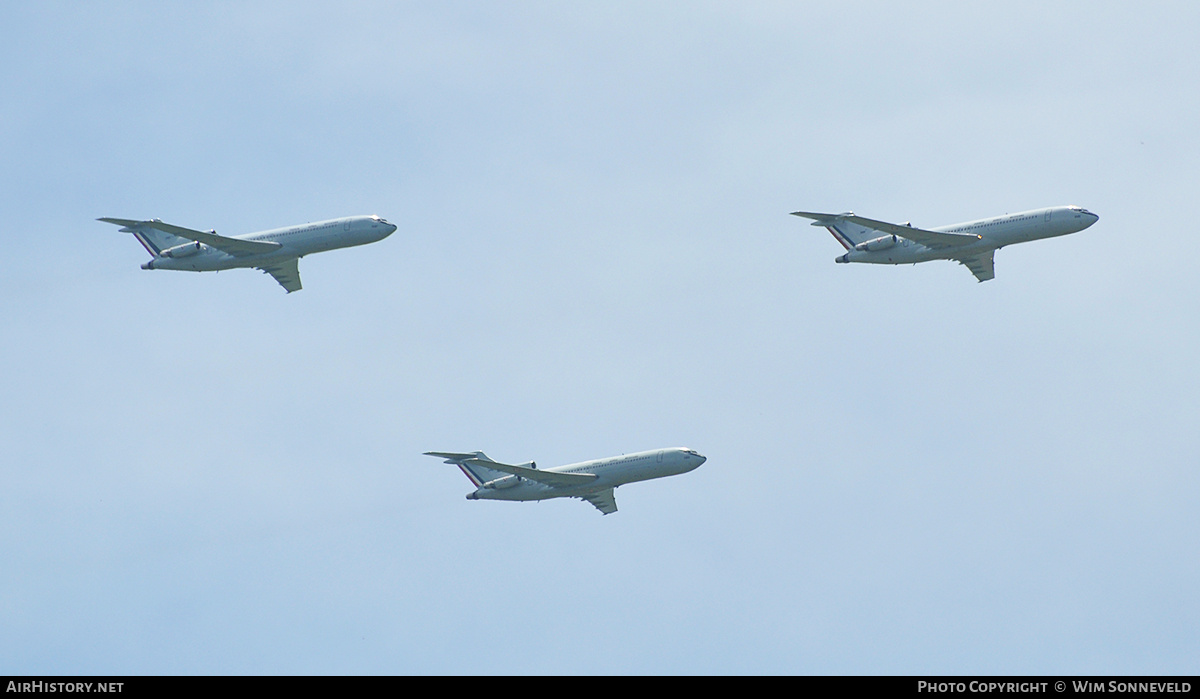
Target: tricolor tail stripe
{"points": [[841, 238], [469, 474], [146, 243]]}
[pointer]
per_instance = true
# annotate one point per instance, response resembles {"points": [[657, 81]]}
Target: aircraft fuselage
{"points": [[610, 472], [295, 242], [994, 233]]}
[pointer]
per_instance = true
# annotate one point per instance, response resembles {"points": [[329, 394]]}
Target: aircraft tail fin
{"points": [[845, 232], [476, 470], [153, 239]]}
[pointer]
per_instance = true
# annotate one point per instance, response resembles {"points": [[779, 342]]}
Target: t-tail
{"points": [[477, 472], [847, 233], [153, 239]]}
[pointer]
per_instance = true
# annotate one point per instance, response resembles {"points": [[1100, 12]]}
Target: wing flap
{"points": [[287, 273], [982, 266], [603, 500]]}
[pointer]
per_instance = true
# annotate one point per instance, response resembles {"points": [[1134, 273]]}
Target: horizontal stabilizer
{"points": [[822, 219], [127, 224], [452, 457]]}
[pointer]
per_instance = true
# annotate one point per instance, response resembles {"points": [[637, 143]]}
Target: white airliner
{"points": [[589, 480], [275, 252], [972, 244]]}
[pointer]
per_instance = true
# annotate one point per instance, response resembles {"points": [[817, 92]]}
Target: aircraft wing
{"points": [[983, 266], [603, 500], [930, 239], [233, 246], [287, 273], [553, 478]]}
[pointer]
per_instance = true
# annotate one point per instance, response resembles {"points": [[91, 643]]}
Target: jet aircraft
{"points": [[593, 481], [972, 244], [276, 252]]}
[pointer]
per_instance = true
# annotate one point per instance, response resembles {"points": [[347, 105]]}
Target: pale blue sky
{"points": [[908, 472]]}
